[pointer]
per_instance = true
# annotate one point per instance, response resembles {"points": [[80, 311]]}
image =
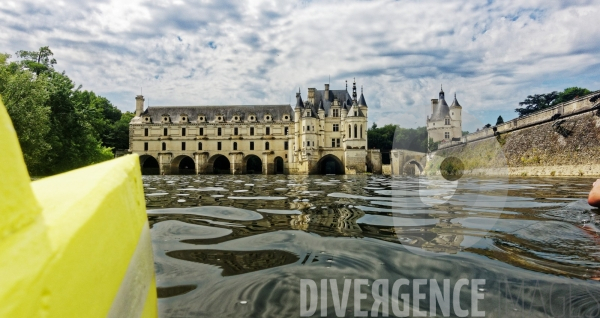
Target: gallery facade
{"points": [[326, 134]]}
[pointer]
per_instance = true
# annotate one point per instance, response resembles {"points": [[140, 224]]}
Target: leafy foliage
{"points": [[59, 126], [537, 102], [394, 137]]}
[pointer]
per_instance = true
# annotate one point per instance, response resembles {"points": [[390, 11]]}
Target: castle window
{"points": [[286, 130], [447, 121], [267, 145], [183, 119], [447, 135], [452, 113], [355, 132], [201, 131], [355, 113], [336, 127], [199, 146], [268, 117], [251, 117], [360, 131], [252, 145], [349, 131], [336, 113], [147, 119], [219, 145], [183, 132], [235, 131], [337, 142], [165, 131], [285, 145], [219, 131], [164, 146], [235, 146], [285, 117], [313, 143], [146, 132], [218, 118], [235, 118], [267, 131], [183, 145], [145, 146], [251, 131], [332, 143], [313, 128]]}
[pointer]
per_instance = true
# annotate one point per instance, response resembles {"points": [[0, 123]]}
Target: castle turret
{"points": [[362, 104]]}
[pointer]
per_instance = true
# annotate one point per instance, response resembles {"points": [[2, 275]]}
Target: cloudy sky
{"points": [[492, 54]]}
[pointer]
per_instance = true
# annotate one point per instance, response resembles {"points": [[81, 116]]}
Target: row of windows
{"points": [[286, 131], [219, 146], [356, 131], [218, 118]]}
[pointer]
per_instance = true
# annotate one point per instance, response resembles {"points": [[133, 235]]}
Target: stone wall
{"points": [[563, 147], [566, 109]]}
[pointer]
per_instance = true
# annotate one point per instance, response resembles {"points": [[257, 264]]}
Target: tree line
{"points": [[60, 127]]}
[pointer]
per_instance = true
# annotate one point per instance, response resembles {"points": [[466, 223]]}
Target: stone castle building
{"points": [[325, 134], [445, 122]]}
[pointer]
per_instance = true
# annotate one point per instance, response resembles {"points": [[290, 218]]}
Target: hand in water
{"points": [[594, 196]]}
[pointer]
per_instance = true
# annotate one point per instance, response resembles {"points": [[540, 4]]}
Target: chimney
{"points": [[139, 105], [434, 103], [326, 91]]}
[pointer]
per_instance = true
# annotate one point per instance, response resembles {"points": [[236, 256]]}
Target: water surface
{"points": [[237, 246]]}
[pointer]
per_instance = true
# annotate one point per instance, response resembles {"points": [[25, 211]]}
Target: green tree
{"points": [[536, 102], [59, 127], [25, 97], [37, 61], [499, 121], [570, 94]]}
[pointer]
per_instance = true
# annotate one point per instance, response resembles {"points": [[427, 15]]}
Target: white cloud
{"points": [[493, 54]]}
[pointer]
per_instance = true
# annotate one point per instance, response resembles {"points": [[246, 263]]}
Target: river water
{"points": [[239, 246]]}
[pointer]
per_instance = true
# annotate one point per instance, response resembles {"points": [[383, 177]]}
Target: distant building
{"points": [[327, 133], [445, 122]]}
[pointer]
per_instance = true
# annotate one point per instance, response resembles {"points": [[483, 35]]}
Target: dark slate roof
{"points": [[455, 102], [299, 103], [361, 100], [276, 111], [341, 95], [441, 110]]}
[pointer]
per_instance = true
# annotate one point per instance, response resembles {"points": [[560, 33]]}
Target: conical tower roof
{"points": [[455, 103], [299, 103]]}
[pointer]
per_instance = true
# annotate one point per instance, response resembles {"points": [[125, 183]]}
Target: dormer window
{"points": [[285, 117], [307, 113], [166, 119], [236, 118], [447, 121], [201, 119], [251, 117], [184, 118], [268, 117]]}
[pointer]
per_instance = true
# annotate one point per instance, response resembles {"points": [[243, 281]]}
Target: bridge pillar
{"points": [[201, 160], [236, 162], [268, 163], [164, 162]]}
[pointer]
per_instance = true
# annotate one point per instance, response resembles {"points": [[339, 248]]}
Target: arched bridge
{"points": [[409, 162]]}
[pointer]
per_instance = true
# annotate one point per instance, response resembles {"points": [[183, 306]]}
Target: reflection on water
{"points": [[239, 245]]}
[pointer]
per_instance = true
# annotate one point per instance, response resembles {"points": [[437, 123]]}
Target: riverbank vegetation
{"points": [[60, 126]]}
